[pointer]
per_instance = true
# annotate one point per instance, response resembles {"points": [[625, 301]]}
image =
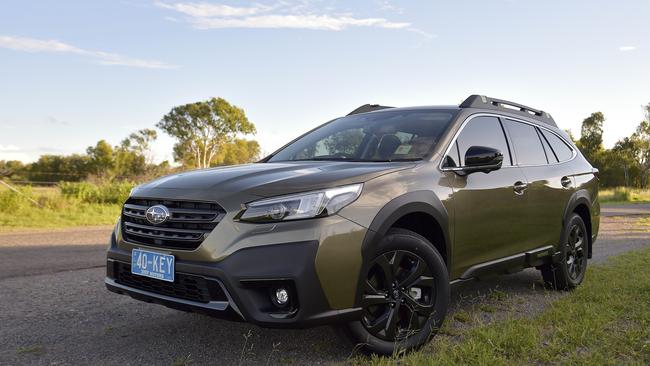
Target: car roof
{"points": [[477, 102]]}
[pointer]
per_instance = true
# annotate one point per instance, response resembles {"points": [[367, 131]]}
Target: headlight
{"points": [[301, 206]]}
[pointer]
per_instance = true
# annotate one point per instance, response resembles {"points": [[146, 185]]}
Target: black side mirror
{"points": [[482, 159]]}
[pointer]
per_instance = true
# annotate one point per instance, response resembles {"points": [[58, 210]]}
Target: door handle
{"points": [[566, 182], [520, 187]]}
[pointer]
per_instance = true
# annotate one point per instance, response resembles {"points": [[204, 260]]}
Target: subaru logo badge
{"points": [[157, 214]]}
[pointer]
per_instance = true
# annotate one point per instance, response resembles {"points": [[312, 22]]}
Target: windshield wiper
{"points": [[355, 160], [394, 160], [325, 159]]}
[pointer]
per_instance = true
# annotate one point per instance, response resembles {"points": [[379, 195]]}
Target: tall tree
{"points": [[202, 128], [128, 164], [570, 134], [239, 151], [632, 155], [101, 157], [623, 157], [591, 136], [54, 168], [641, 140], [11, 168], [140, 143]]}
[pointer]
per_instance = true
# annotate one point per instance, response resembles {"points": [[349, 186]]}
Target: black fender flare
{"points": [[413, 202], [579, 197]]}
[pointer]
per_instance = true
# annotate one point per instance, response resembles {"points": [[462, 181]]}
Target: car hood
{"points": [[264, 179]]}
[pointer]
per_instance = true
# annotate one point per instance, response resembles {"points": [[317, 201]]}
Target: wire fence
{"points": [[34, 183], [18, 192]]}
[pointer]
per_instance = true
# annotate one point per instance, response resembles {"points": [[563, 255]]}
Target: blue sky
{"points": [[74, 72]]}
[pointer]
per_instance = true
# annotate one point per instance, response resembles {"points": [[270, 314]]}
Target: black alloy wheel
{"points": [[570, 268], [398, 296], [403, 294], [576, 256]]}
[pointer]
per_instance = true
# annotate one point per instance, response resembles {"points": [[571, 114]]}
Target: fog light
{"points": [[281, 296]]}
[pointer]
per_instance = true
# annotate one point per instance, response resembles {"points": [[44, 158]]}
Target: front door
{"points": [[489, 208]]}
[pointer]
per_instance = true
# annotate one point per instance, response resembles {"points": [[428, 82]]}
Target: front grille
{"points": [[185, 286], [189, 224]]}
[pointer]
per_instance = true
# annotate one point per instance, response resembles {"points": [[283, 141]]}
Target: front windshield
{"points": [[391, 135]]}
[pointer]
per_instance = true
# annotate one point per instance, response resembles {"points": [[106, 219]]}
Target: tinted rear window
{"points": [[527, 144], [550, 155], [561, 149]]}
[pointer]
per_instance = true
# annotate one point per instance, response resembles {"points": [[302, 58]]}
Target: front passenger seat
{"points": [[387, 146]]}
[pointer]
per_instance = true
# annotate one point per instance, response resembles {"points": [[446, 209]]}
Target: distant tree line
{"points": [[130, 160], [628, 162], [208, 133], [212, 132]]}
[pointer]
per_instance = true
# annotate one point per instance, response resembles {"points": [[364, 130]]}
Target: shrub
{"points": [[81, 190], [116, 192], [11, 201], [622, 194]]}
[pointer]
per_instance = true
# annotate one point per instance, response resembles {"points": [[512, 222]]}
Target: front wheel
{"points": [[404, 297], [570, 271]]}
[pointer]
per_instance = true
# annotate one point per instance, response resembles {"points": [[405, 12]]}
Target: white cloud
{"points": [[16, 155], [55, 121], [317, 22], [422, 33], [8, 148], [281, 15], [102, 58], [627, 48], [213, 10], [385, 5]]}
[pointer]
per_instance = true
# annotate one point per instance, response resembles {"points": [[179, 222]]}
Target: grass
{"points": [[487, 308], [183, 361], [606, 321], [624, 195], [462, 316], [79, 215], [33, 350], [52, 208]]}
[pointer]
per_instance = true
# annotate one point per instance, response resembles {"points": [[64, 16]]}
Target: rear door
{"points": [[489, 213], [542, 154]]}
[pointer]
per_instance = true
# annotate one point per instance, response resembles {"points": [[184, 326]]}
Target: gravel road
{"points": [[54, 309]]}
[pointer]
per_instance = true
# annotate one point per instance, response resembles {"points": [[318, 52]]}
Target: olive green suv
{"points": [[365, 222]]}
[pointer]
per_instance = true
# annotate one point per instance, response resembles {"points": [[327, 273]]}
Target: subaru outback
{"points": [[365, 222]]}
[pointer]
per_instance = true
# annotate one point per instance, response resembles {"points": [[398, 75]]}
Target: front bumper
{"points": [[245, 278]]}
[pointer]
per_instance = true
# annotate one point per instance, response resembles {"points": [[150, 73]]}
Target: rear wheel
{"points": [[570, 271], [404, 296]]}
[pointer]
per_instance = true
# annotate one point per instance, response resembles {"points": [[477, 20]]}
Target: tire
{"points": [[398, 319], [569, 271]]}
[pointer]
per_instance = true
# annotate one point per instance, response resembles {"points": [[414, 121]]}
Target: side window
{"points": [[561, 149], [527, 144], [550, 155], [483, 131]]}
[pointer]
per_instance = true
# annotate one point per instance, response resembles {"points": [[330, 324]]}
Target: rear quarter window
{"points": [[560, 148]]}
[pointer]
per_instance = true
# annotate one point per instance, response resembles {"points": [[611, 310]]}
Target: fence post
{"points": [[19, 193]]}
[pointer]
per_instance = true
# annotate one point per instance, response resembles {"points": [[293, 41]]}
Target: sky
{"points": [[75, 72]]}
